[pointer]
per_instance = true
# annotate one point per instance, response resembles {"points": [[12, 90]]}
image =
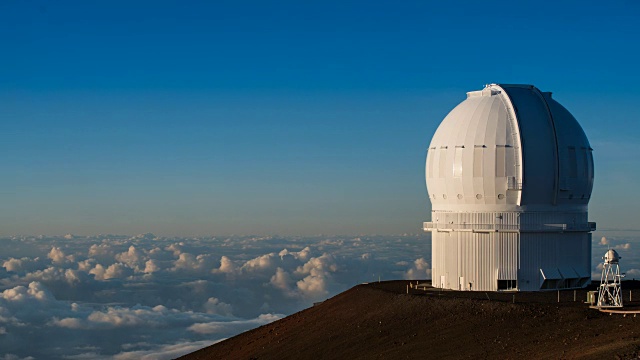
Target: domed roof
{"points": [[611, 257], [506, 147]]}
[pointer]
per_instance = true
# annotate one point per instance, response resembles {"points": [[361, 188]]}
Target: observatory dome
{"points": [[611, 257], [509, 148], [509, 174]]}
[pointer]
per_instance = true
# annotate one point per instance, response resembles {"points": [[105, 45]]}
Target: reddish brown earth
{"points": [[380, 320]]}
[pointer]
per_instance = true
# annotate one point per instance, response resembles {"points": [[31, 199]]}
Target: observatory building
{"points": [[509, 175]]}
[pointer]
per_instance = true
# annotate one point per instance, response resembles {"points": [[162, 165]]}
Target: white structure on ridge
{"points": [[509, 174], [610, 291]]}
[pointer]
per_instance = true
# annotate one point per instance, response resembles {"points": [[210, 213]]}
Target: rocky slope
{"points": [[380, 320]]}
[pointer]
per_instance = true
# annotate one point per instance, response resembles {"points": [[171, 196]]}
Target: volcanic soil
{"points": [[380, 320]]}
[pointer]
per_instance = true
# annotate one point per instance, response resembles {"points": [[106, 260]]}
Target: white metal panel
{"points": [[475, 122], [509, 247]]}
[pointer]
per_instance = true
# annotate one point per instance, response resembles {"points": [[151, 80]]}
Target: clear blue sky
{"points": [[287, 117]]}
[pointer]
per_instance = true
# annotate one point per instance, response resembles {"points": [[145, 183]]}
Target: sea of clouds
{"points": [[149, 297]]}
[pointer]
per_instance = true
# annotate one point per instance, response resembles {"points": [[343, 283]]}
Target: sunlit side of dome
{"points": [[506, 147]]}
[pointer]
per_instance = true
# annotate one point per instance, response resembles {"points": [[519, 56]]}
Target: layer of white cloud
{"points": [[152, 296], [156, 297], [163, 352]]}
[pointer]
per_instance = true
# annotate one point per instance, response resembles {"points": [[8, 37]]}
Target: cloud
{"points": [[318, 271], [71, 323], [98, 271], [51, 274], [132, 257], [145, 236], [194, 263], [175, 248], [115, 317], [259, 263], [633, 273], [57, 256], [23, 264], [419, 271], [313, 287], [302, 255], [318, 266], [113, 271], [604, 241], [215, 306], [35, 305], [13, 264], [35, 291], [281, 280], [15, 357], [86, 265], [226, 266], [151, 266], [98, 250], [117, 270], [217, 327], [164, 352], [625, 246], [159, 297]]}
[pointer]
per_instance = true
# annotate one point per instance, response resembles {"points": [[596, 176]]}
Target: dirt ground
{"points": [[379, 320]]}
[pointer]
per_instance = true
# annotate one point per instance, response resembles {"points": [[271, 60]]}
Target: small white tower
{"points": [[610, 293]]}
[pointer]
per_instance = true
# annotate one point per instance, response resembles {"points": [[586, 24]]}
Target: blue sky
{"points": [[284, 117]]}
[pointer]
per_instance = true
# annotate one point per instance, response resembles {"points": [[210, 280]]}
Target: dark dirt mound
{"points": [[380, 320]]}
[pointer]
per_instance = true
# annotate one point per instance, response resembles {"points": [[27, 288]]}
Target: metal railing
{"points": [[508, 227], [512, 184]]}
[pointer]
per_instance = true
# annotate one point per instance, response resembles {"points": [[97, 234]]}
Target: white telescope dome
{"points": [[509, 173], [611, 257], [508, 148]]}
